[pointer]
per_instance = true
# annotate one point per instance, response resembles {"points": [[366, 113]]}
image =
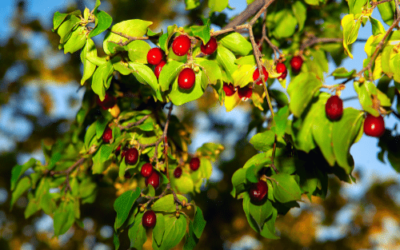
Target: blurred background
{"points": [[39, 98]]}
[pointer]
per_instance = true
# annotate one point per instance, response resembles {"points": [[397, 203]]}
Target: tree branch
{"points": [[130, 125]]}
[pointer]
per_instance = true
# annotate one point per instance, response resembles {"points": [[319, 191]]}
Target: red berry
{"points": [[374, 126], [158, 68], [147, 170], [154, 56], [149, 219], [178, 172], [296, 63], [245, 93], [334, 107], [131, 156], [283, 75], [107, 135], [186, 78], [256, 75], [258, 191], [210, 47], [154, 180], [127, 175], [194, 163], [123, 153], [181, 45], [118, 150], [108, 102], [229, 89], [280, 67]]}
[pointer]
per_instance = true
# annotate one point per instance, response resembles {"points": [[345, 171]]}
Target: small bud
{"points": [[180, 29], [183, 203], [177, 214], [361, 80], [263, 178], [189, 207], [196, 69], [141, 208], [114, 111]]}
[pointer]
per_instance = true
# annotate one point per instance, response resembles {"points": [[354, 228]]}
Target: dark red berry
{"points": [[118, 150], [186, 78], [154, 180], [194, 163], [256, 75], [123, 153], [131, 156], [107, 135], [258, 191], [127, 175], [280, 67], [147, 170], [374, 126], [108, 102], [154, 56], [296, 63], [178, 172], [209, 47], [181, 45], [283, 75], [229, 89], [158, 68], [245, 93], [334, 107], [149, 219]]}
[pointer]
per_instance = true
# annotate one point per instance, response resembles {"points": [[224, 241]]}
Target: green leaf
{"points": [[97, 5], [64, 218], [174, 232], [103, 21], [246, 208], [344, 132], [342, 73], [191, 239], [101, 77], [261, 159], [88, 67], [164, 39], [281, 121], [320, 58], [250, 60], [365, 91], [243, 75], [123, 205], [76, 41], [217, 5], [260, 212], [137, 51], [90, 133], [87, 188], [116, 241], [226, 59], [211, 69], [101, 125], [184, 184], [169, 73], [285, 188], [377, 27], [133, 28], [269, 226], [18, 170], [144, 74], [387, 11], [350, 31], [64, 31], [159, 229], [58, 19], [137, 233], [284, 24], [23, 185], [301, 90], [356, 6], [252, 173], [205, 168], [192, 4], [180, 96], [263, 141], [202, 32], [239, 177], [198, 223], [236, 43], [167, 203], [300, 12]]}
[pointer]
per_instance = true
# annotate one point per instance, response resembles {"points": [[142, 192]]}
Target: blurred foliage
{"points": [[226, 221]]}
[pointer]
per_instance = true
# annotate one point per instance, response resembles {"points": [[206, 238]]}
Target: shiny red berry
{"points": [[258, 191], [256, 75], [229, 89], [245, 93], [178, 172], [123, 153], [149, 219], [209, 47], [154, 180], [283, 75], [296, 63], [374, 126], [131, 156], [147, 170], [107, 135], [108, 102], [334, 107], [194, 163], [186, 78], [158, 68], [181, 45], [280, 67], [155, 56]]}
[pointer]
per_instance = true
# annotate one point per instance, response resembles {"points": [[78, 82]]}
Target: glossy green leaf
{"points": [[263, 141], [191, 239], [183, 184], [192, 4], [260, 212], [211, 69], [23, 185], [217, 5], [377, 27], [300, 12], [144, 74], [76, 41], [64, 218], [159, 229], [174, 232], [137, 51], [301, 90], [198, 223], [169, 74], [365, 91], [226, 59], [341, 72], [123, 205], [19, 170], [281, 121], [137, 233], [164, 39], [101, 76], [202, 32], [167, 203], [236, 43], [58, 19], [103, 21], [88, 67], [350, 31], [387, 11], [286, 188], [284, 24], [65, 29], [180, 96], [243, 75], [356, 6]]}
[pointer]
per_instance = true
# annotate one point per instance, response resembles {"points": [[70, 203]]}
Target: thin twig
{"points": [[374, 4], [133, 124], [166, 140], [130, 38], [67, 172]]}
